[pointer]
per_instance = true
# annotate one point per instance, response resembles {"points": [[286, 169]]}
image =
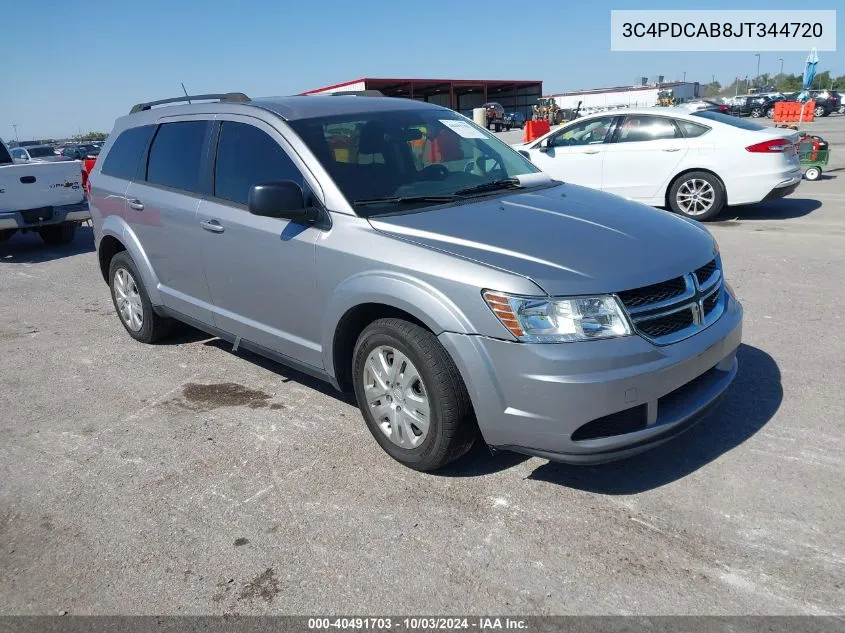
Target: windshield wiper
{"points": [[495, 185], [405, 199]]}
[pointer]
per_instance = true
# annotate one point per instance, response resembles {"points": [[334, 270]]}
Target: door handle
{"points": [[212, 225], [136, 204], [672, 149], [591, 151]]}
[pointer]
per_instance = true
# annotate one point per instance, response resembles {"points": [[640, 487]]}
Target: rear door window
{"points": [[247, 156], [176, 155], [124, 156]]}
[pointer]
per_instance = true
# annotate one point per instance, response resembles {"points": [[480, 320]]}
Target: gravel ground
{"points": [[129, 485]]}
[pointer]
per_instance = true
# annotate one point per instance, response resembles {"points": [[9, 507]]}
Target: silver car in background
{"points": [[395, 249]]}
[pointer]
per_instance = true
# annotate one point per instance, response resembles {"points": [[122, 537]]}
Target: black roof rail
{"points": [[358, 93], [231, 97]]}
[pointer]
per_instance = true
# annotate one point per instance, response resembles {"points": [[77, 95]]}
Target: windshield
{"points": [[40, 152], [407, 154], [728, 120]]}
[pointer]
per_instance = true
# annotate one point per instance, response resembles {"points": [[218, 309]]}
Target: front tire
{"points": [[813, 173], [698, 195], [411, 395], [756, 113], [132, 302], [58, 234]]}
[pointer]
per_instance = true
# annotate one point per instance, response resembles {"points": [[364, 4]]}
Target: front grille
{"points": [[711, 302], [627, 421], [705, 272], [654, 293], [672, 310], [667, 324], [682, 394]]}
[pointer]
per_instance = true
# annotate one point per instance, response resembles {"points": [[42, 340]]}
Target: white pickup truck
{"points": [[44, 197]]}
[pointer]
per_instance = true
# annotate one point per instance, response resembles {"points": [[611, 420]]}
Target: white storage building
{"points": [[625, 96]]}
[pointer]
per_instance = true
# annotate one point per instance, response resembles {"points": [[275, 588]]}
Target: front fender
{"points": [[418, 298], [118, 228]]}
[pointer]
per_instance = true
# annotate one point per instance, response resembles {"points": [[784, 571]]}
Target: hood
{"points": [[567, 239]]}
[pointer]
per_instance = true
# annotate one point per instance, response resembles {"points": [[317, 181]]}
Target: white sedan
{"points": [[694, 163]]}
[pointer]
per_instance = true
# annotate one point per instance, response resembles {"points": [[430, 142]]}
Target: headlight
{"points": [[545, 320]]}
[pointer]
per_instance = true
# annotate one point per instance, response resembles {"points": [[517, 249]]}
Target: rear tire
{"points": [[447, 431], [698, 195], [131, 301], [5, 234], [770, 113], [813, 173], [819, 111], [58, 234], [756, 113]]}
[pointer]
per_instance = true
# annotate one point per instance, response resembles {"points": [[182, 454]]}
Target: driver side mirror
{"points": [[283, 199]]}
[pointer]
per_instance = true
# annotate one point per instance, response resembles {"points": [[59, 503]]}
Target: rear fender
{"points": [[118, 228]]}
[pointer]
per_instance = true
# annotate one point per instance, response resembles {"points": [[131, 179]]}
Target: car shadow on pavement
{"points": [[27, 248], [480, 461], [286, 373], [750, 402], [782, 209]]}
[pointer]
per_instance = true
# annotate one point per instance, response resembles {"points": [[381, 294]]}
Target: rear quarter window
{"points": [[690, 129], [125, 154], [727, 119]]}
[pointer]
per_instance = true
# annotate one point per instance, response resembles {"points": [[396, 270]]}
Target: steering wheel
{"points": [[435, 172]]}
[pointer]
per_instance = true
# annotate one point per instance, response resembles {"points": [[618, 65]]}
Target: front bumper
{"points": [[78, 212], [532, 398]]}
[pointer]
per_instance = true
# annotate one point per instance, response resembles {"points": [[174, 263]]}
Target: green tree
{"points": [[712, 89], [91, 136]]}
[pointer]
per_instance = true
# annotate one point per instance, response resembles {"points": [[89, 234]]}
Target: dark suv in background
{"points": [[751, 105], [827, 101]]}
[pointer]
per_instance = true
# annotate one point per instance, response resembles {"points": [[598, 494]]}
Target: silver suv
{"points": [[394, 248]]}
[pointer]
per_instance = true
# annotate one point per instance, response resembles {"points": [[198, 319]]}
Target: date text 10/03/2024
{"points": [[418, 623]]}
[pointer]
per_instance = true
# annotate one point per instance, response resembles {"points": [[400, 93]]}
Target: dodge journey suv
{"points": [[397, 250]]}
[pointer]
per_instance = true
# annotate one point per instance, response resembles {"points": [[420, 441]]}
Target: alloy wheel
{"points": [[695, 196], [128, 300], [396, 397]]}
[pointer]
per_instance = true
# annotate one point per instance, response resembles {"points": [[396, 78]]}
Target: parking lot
{"points": [[188, 478]]}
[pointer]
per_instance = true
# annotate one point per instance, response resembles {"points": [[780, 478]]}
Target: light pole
{"points": [[757, 76], [15, 125], [780, 59], [685, 76]]}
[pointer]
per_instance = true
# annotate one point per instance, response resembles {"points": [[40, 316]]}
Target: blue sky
{"points": [[71, 66]]}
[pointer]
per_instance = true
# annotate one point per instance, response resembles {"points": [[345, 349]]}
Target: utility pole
{"points": [[781, 64], [757, 76], [15, 125], [685, 76]]}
